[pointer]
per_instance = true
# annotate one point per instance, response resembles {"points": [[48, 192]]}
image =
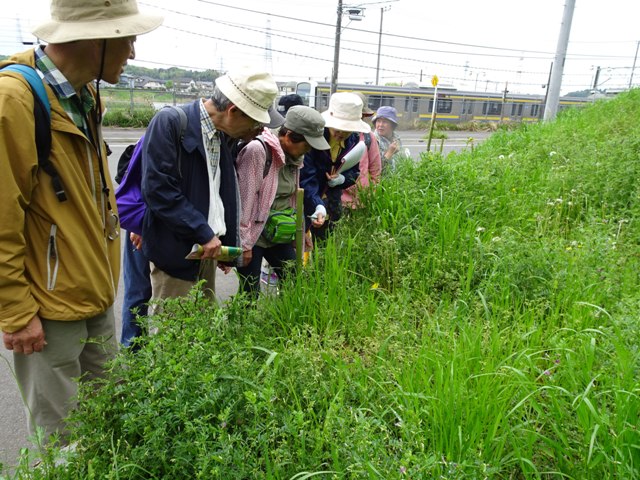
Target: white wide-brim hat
{"points": [[94, 19], [345, 113], [251, 91]]}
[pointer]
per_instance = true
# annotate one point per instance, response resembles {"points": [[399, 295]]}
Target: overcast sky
{"points": [[470, 44]]}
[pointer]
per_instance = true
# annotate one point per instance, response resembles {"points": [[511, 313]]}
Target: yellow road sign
{"points": [[434, 80]]}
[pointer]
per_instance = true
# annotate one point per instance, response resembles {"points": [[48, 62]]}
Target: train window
{"points": [[491, 108], [467, 106], [387, 101], [377, 101], [411, 103], [304, 90], [444, 105], [325, 100], [535, 110], [516, 109]]}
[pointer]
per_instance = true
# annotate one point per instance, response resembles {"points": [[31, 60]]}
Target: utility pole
{"points": [[504, 100], [267, 54], [336, 51], [553, 99], [595, 80], [634, 64], [546, 93], [382, 10]]}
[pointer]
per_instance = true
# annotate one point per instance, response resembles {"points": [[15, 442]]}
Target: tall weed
{"points": [[476, 318]]}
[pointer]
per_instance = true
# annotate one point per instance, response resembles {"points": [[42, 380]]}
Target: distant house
{"points": [[154, 85], [185, 84], [284, 88], [125, 80], [207, 86]]}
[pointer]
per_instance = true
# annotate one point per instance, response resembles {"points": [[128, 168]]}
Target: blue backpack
{"points": [[131, 206], [42, 117]]}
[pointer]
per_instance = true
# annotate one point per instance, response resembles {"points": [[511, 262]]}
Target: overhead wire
{"points": [[518, 72]]}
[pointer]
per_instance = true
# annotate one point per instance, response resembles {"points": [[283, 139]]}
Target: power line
{"points": [[406, 37], [391, 57], [260, 30], [324, 59]]}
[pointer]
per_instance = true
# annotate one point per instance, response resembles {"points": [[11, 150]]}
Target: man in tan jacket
{"points": [[59, 255]]}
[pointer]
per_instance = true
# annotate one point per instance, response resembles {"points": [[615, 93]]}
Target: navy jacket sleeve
{"points": [[310, 183], [161, 180]]}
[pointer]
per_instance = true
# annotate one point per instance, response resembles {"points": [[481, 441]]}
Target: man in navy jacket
{"points": [[195, 200]]}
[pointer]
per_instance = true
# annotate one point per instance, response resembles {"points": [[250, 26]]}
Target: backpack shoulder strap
{"points": [[42, 117], [268, 157], [183, 128], [367, 140], [31, 76], [183, 120]]}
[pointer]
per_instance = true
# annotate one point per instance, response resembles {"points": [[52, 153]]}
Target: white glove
{"points": [[319, 210], [334, 182]]}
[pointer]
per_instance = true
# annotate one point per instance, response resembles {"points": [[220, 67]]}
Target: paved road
{"points": [[13, 432]]}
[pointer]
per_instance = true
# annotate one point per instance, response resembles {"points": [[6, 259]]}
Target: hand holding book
{"points": [[227, 254]]}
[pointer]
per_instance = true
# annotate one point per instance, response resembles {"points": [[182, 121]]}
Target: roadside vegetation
{"points": [[135, 108], [477, 318]]}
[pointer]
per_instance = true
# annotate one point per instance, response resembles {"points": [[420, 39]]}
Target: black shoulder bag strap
{"points": [[183, 129], [268, 158]]}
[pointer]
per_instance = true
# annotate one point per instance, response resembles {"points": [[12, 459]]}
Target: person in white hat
{"points": [[370, 163], [61, 255], [303, 130], [327, 172], [195, 200]]}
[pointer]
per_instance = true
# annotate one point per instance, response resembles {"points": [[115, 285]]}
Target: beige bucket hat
{"points": [[251, 91], [95, 19], [345, 113]]}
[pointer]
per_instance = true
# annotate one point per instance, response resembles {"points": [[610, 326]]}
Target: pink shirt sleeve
{"points": [[249, 168], [375, 162]]}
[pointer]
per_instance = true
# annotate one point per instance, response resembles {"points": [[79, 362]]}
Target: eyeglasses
{"points": [[256, 125]]}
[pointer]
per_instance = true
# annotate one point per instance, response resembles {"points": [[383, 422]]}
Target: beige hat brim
{"points": [[230, 91], [332, 121], [131, 25]]}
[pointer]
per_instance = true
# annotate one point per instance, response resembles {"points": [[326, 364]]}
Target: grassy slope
{"points": [[477, 319]]}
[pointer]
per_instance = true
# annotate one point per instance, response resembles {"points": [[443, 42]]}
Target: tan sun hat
{"points": [[345, 113], [93, 19], [251, 91]]}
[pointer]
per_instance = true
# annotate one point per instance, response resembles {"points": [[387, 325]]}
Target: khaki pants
{"points": [[165, 286], [48, 379]]}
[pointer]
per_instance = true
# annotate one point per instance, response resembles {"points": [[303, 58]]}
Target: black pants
{"points": [[278, 257]]}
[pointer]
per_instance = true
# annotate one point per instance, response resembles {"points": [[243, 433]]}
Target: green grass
{"points": [[477, 318]]}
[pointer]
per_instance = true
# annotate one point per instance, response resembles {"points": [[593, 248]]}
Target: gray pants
{"points": [[48, 379]]}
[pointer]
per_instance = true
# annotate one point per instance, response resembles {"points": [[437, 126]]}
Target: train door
{"points": [[411, 106], [307, 91]]}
